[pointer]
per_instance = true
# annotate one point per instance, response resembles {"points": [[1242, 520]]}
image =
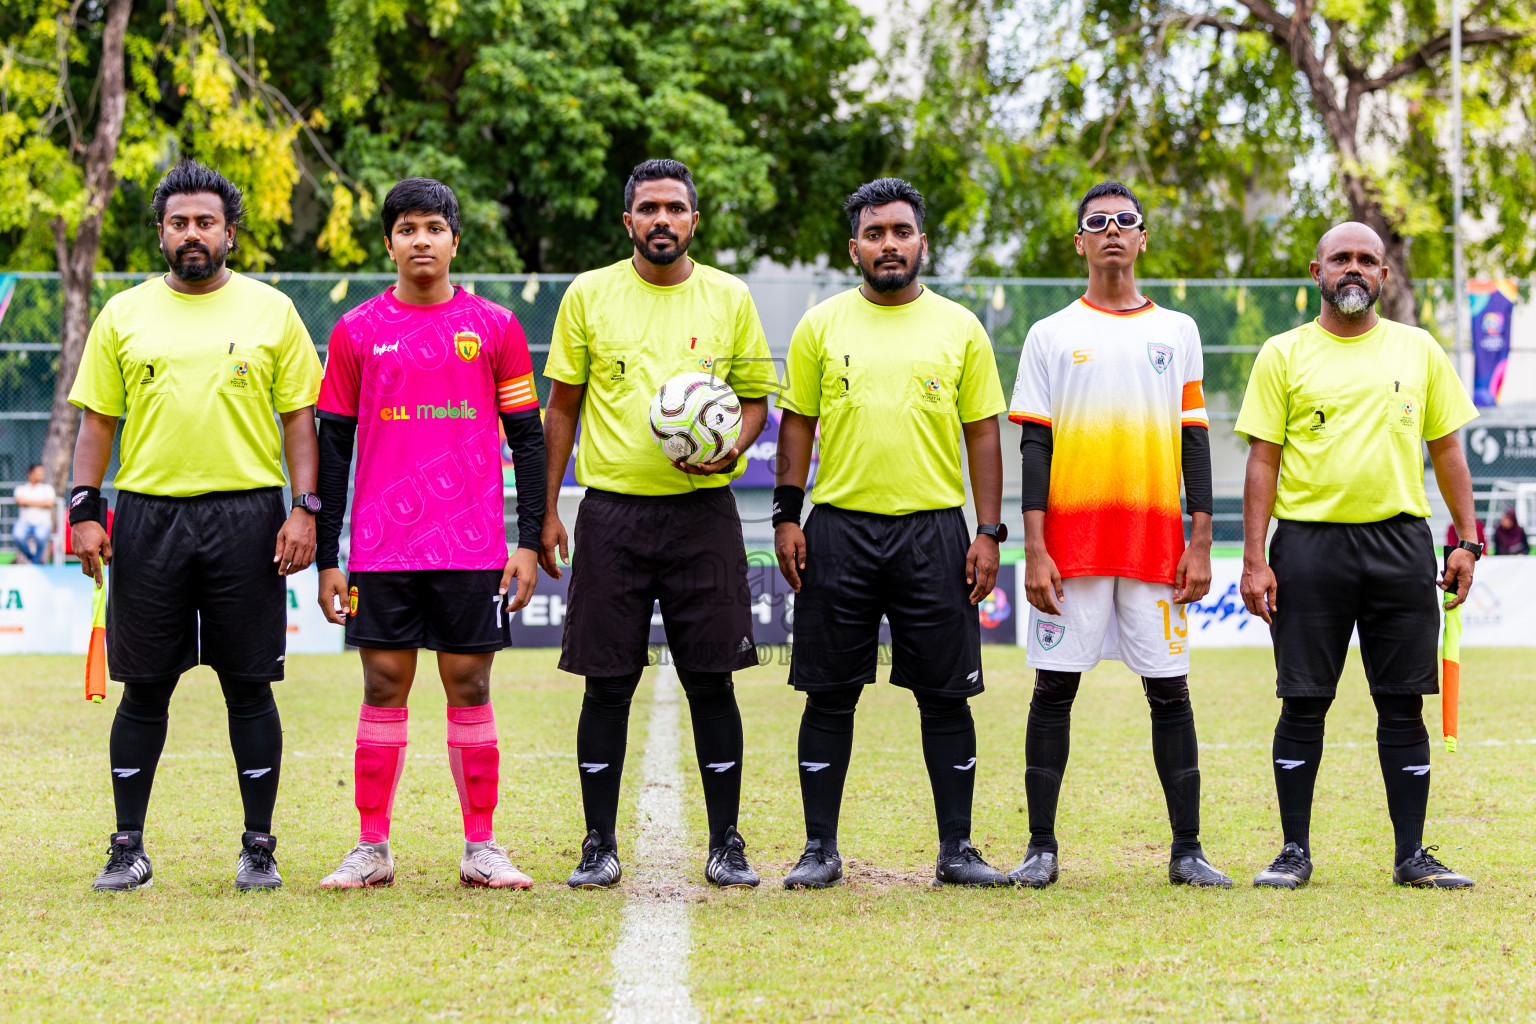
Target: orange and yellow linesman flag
{"points": [[1450, 675], [96, 654]]}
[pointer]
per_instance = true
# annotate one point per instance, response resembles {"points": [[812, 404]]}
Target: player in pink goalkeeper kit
{"points": [[418, 378]]}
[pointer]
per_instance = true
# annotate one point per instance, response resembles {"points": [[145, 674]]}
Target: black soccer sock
{"points": [[826, 746], [717, 742], [1047, 741], [602, 737], [1297, 753], [1177, 757], [949, 749], [256, 738], [1402, 745], [138, 737]]}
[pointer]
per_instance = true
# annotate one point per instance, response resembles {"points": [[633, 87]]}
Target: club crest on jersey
{"points": [[1160, 354], [467, 345], [1049, 633]]}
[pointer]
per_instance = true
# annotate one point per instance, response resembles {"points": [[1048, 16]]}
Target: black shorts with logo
{"points": [[192, 579], [456, 611], [1334, 577], [683, 551], [910, 569]]}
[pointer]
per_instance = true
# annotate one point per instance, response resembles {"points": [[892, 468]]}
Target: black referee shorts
{"points": [[632, 551], [1334, 577], [910, 569], [193, 579]]}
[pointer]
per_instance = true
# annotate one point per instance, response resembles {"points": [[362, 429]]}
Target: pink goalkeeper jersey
{"points": [[425, 384]]}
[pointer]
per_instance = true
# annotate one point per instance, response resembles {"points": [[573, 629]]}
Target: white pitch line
{"points": [[650, 961]]}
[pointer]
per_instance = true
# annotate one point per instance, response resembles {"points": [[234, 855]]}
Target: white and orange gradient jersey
{"points": [[1116, 389]]}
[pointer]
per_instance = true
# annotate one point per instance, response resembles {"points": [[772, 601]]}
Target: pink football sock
{"points": [[376, 770], [476, 766]]}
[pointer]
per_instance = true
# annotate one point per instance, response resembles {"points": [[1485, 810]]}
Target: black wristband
{"points": [[85, 505], [788, 500]]}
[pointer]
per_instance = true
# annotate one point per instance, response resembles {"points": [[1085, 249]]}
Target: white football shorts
{"points": [[1114, 618]]}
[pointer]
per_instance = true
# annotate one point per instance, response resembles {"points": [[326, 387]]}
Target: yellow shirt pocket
{"points": [[1405, 410], [933, 387], [1314, 419], [242, 375], [841, 390]]}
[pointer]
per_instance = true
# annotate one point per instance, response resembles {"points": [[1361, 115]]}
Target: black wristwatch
{"points": [[1472, 546], [997, 531], [309, 502]]}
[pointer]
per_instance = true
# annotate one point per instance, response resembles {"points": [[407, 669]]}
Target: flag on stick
{"points": [[96, 654], [1450, 672]]}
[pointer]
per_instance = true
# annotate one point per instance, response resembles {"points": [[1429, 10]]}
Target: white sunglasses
{"points": [[1097, 222]]}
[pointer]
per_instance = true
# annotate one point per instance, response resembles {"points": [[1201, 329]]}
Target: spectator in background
{"points": [[1508, 537], [34, 515], [1451, 540]]}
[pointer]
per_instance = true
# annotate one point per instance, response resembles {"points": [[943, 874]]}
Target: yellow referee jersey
{"points": [[1350, 414], [196, 379], [623, 338]]}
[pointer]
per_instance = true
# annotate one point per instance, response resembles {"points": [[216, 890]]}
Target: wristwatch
{"points": [[309, 502], [1472, 546], [997, 531]]}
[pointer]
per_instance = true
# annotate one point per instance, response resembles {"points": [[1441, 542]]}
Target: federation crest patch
{"points": [[467, 345], [1160, 354], [1049, 633]]}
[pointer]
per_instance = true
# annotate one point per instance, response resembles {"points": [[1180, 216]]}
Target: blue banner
{"points": [[1493, 303]]}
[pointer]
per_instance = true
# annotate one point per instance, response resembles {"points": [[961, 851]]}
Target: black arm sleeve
{"points": [[1036, 448], [338, 434], [525, 438], [1197, 470]]}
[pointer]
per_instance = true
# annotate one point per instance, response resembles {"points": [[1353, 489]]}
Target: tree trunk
{"points": [[77, 260]]}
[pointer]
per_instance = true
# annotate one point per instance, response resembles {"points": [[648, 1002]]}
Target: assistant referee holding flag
{"points": [[196, 361], [1334, 416]]}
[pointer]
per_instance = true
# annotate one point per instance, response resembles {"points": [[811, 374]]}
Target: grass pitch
{"points": [[1111, 941]]}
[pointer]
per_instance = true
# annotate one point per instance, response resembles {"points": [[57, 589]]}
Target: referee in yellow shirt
{"points": [[1334, 416], [195, 363], [650, 531], [896, 376]]}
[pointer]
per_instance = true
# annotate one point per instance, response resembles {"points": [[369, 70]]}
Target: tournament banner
{"points": [[1493, 303], [1501, 451], [540, 623]]}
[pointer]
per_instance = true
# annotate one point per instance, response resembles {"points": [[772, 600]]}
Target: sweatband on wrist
{"points": [[788, 500], [85, 505]]}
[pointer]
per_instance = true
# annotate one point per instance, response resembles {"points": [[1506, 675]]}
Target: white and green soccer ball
{"points": [[696, 418]]}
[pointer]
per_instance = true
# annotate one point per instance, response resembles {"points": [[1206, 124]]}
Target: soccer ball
{"points": [[695, 417]]}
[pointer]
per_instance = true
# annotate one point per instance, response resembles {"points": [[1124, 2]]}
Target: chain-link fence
{"points": [[1234, 316]]}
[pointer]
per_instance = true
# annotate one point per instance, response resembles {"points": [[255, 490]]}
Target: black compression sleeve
{"points": [[338, 434], [525, 438], [1197, 470], [1036, 449]]}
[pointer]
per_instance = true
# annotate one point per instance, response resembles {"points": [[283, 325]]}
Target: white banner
{"points": [[46, 609], [1499, 612]]}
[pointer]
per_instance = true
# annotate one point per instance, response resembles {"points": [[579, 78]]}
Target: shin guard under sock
{"points": [[602, 738], [256, 738], [138, 738], [1297, 753], [949, 750], [475, 763], [718, 744], [1047, 742], [826, 746], [376, 768], [1176, 754], [1402, 746]]}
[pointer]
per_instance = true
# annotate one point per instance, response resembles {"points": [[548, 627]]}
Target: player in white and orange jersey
{"points": [[1109, 399]]}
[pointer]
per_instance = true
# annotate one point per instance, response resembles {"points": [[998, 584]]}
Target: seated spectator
{"points": [[1508, 537], [34, 516]]}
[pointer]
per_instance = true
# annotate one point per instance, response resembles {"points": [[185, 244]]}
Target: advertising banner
{"points": [[1502, 451], [1493, 303]]}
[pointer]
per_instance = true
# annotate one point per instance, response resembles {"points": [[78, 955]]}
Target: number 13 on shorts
{"points": [[1114, 618], [1177, 636]]}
